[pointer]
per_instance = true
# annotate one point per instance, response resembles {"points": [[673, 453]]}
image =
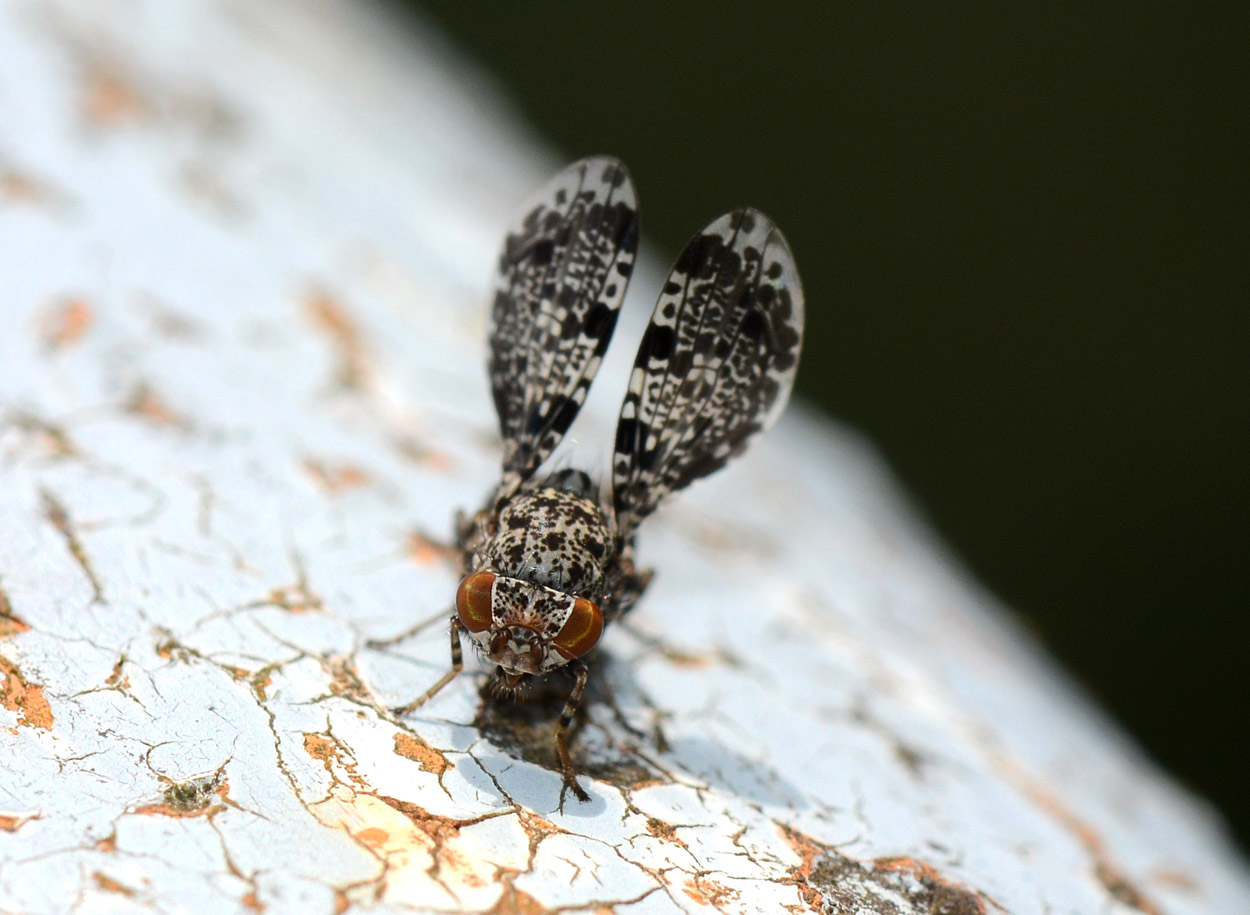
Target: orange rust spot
{"points": [[341, 902], [25, 188], [318, 746], [19, 187], [666, 832], [295, 598], [1109, 874], [330, 315], [17, 695], [1176, 879], [109, 885], [261, 682], [345, 680], [439, 828], [829, 881], [903, 864], [516, 902], [335, 477], [252, 901], [64, 323], [808, 851], [109, 100], [709, 892], [147, 404], [919, 870], [12, 822], [418, 453], [325, 748], [373, 836], [426, 550], [537, 827], [1122, 889], [416, 749], [9, 624], [108, 843], [52, 440]]}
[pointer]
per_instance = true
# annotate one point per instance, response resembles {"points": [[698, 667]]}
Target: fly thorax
{"points": [[551, 537]]}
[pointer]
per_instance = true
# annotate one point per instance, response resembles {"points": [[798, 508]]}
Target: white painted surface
{"points": [[244, 255]]}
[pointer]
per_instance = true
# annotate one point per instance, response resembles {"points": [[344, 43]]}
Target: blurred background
{"points": [[1021, 234]]}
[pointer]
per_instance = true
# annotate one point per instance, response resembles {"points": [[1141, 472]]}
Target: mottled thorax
{"points": [[552, 537]]}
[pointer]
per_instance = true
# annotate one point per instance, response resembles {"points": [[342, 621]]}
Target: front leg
{"points": [[457, 665], [626, 584], [562, 730]]}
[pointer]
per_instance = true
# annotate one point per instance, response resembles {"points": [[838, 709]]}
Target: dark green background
{"points": [[1021, 234]]}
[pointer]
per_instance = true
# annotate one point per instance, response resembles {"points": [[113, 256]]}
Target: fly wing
{"points": [[562, 275], [715, 366]]}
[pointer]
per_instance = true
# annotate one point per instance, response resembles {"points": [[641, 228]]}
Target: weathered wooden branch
{"points": [[244, 252]]}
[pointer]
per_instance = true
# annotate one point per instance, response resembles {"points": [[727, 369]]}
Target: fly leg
{"points": [[627, 582], [562, 731], [457, 665]]}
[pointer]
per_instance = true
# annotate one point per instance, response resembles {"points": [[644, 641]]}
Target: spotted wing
{"points": [[716, 363], [562, 275]]}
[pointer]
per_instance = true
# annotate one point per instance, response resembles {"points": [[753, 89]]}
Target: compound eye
{"points": [[580, 631], [473, 603]]}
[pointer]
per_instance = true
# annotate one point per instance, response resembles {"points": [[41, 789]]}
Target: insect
{"points": [[548, 562]]}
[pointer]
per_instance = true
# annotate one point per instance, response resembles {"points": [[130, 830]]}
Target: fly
{"points": [[548, 562]]}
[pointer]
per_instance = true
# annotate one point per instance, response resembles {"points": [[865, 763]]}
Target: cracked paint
{"points": [[12, 822], [331, 317], [335, 478], [146, 404], [410, 746], [9, 622], [225, 494], [59, 518], [45, 440], [26, 699], [64, 323]]}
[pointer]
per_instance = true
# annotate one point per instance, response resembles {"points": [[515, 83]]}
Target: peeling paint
{"points": [[808, 712], [64, 323], [335, 478], [109, 885], [49, 440], [24, 187], [25, 698], [9, 623], [58, 517], [426, 550], [109, 98], [146, 404], [12, 822], [412, 747], [331, 316]]}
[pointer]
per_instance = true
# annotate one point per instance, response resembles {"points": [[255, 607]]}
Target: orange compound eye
{"points": [[580, 631], [473, 603]]}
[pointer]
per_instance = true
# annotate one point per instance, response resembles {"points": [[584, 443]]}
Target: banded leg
{"points": [[457, 665], [392, 641], [562, 731]]}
